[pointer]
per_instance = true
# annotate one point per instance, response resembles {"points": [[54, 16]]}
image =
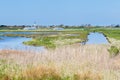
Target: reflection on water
{"points": [[96, 38], [45, 33], [16, 43]]}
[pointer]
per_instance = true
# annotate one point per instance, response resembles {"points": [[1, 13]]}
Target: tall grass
{"points": [[73, 62]]}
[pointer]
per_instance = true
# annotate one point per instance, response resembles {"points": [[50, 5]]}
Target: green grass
{"points": [[110, 32], [51, 39], [42, 41], [9, 70], [64, 38], [113, 51]]}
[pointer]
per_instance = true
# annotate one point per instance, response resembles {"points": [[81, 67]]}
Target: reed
{"points": [[70, 62]]}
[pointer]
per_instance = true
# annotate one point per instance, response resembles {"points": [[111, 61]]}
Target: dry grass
{"points": [[75, 62], [45, 73], [114, 42], [87, 76], [40, 73]]}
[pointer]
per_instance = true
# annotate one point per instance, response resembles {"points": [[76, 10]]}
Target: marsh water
{"points": [[97, 38], [45, 33], [17, 42]]}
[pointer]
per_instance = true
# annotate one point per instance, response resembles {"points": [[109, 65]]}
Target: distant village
{"points": [[53, 27]]}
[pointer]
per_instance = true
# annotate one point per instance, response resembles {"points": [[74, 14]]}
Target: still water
{"points": [[45, 33], [16, 43], [96, 38]]}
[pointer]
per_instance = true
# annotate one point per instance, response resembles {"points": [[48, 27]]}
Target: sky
{"points": [[55, 12]]}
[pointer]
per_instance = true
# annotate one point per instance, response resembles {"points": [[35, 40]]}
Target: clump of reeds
{"points": [[88, 75], [45, 73], [40, 73]]}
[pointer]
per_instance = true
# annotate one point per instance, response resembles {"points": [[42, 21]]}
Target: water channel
{"points": [[17, 42]]}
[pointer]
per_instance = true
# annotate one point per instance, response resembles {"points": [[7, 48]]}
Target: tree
{"points": [[117, 26], [3, 26]]}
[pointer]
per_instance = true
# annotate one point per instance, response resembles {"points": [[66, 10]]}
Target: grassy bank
{"points": [[52, 39], [110, 32], [42, 41], [58, 40]]}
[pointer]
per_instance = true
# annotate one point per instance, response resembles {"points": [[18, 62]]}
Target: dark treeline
{"points": [[7, 27], [17, 27]]}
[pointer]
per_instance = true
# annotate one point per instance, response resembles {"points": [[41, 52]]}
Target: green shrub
{"points": [[43, 41], [113, 51]]}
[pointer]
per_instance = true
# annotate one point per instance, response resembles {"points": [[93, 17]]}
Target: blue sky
{"points": [[68, 12]]}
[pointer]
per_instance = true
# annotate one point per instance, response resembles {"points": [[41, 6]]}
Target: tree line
{"points": [[54, 26]]}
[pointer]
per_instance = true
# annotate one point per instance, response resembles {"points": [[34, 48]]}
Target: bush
{"points": [[113, 51]]}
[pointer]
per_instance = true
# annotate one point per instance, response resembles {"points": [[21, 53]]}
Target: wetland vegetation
{"points": [[65, 58], [52, 39], [110, 32]]}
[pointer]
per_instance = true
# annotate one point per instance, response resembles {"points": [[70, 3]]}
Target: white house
{"points": [[58, 29], [30, 28]]}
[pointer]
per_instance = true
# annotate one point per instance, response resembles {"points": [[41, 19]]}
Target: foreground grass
{"points": [[75, 62]]}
